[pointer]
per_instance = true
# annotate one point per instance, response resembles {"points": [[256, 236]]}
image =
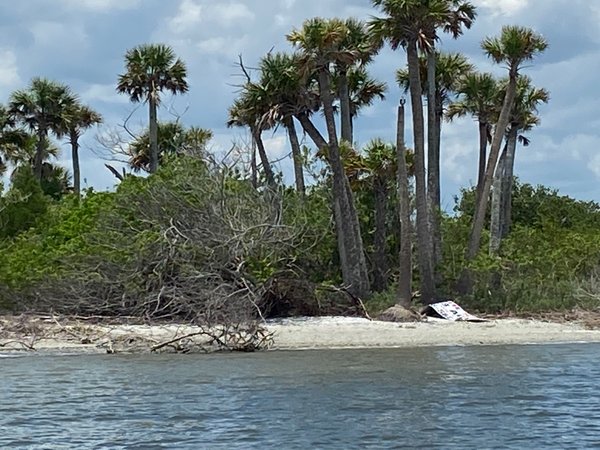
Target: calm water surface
{"points": [[511, 397]]}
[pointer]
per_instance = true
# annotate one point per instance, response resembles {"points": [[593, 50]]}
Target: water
{"points": [[511, 397]]}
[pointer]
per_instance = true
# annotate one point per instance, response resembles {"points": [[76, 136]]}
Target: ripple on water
{"points": [[453, 397]]}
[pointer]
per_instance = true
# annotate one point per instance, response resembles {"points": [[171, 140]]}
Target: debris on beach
{"points": [[450, 311]]}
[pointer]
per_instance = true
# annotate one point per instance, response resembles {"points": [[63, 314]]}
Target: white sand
{"points": [[309, 333], [345, 332]]}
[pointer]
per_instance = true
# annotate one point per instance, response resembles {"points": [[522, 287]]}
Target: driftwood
{"points": [[26, 332]]}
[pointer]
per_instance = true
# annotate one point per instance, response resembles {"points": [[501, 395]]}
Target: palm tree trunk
{"points": [[312, 131], [424, 249], [253, 171], [496, 208], [38, 159], [507, 185], [262, 154], [483, 130], [405, 262], [481, 207], [316, 136], [296, 154], [74, 138], [349, 229], [345, 113], [380, 261], [153, 128], [433, 158]]}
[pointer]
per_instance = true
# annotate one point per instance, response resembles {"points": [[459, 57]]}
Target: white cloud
{"points": [[191, 13], [231, 13], [277, 147], [188, 15], [9, 73], [502, 7]]}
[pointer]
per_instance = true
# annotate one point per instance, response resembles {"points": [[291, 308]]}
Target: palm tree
{"points": [[12, 139], [380, 161], [20, 149], [41, 108], [450, 68], [321, 44], [76, 120], [173, 139], [195, 142], [523, 118], [56, 180], [452, 16], [404, 25], [515, 46], [249, 110], [288, 95], [363, 90], [150, 70], [478, 94], [406, 240]]}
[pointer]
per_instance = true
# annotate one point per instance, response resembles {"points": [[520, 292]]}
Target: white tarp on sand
{"points": [[451, 311]]}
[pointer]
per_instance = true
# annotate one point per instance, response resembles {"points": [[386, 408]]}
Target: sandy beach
{"points": [[48, 334], [336, 332]]}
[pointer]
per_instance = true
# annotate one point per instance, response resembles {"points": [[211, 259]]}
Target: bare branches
{"points": [[243, 68], [183, 248], [56, 332]]}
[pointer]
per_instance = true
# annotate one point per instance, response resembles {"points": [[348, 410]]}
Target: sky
{"points": [[82, 43]]}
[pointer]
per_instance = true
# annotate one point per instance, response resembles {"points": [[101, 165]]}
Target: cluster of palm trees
{"points": [[48, 108], [328, 73], [45, 107]]}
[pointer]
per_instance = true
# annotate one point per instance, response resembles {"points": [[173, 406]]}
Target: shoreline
{"points": [[44, 334]]}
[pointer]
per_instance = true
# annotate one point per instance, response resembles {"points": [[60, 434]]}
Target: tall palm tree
{"points": [[523, 118], [76, 120], [321, 42], [450, 69], [406, 240], [478, 94], [41, 108], [150, 70], [452, 17], [515, 46], [405, 24]]}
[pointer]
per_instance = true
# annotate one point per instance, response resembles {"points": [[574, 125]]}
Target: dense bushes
{"points": [[158, 246], [552, 252], [195, 238]]}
